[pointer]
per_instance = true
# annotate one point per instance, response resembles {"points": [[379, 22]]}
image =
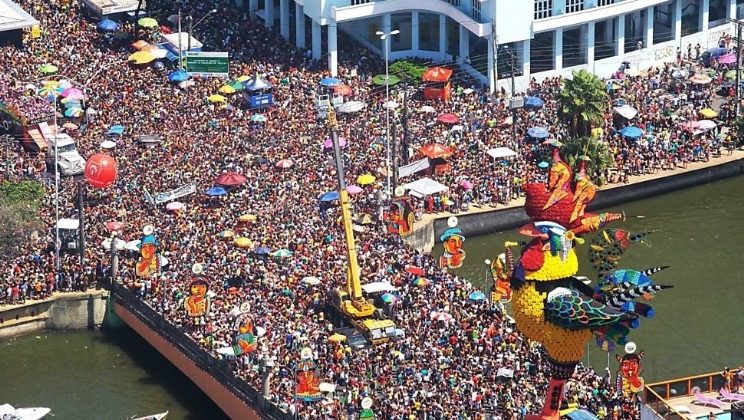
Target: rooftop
{"points": [[13, 17]]}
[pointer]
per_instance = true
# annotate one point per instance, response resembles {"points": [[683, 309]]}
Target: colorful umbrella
{"points": [[389, 298], [226, 234], [107, 25], [116, 129], [354, 189], [48, 69], [247, 217], [215, 191], [441, 316], [243, 242], [216, 98], [329, 143], [262, 250], [259, 118], [141, 57], [282, 253], [147, 22], [382, 80], [73, 94], [284, 164], [330, 82], [244, 78], [238, 86], [227, 90], [73, 112], [174, 206], [708, 113], [178, 76], [416, 271], [230, 179], [421, 282], [337, 338], [448, 118], [329, 196], [342, 89], [477, 296], [366, 179]]}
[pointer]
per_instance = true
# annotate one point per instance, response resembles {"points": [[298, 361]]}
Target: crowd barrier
{"points": [[217, 368]]}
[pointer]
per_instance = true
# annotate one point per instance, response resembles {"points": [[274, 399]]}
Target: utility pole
{"points": [[737, 89], [81, 219], [394, 133], [6, 143], [404, 148], [495, 42], [513, 105], [191, 27], [180, 49]]}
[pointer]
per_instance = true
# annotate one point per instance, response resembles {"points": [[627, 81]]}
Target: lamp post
{"points": [[385, 37], [113, 245], [485, 277], [192, 26]]}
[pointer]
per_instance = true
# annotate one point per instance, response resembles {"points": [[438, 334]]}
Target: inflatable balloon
{"points": [[100, 171]]}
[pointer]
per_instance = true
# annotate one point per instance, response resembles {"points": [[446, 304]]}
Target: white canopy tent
{"points": [[626, 111], [413, 167], [425, 186], [68, 224], [501, 152], [378, 287]]}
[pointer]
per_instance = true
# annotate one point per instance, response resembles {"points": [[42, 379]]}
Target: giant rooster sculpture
{"points": [[551, 305]]}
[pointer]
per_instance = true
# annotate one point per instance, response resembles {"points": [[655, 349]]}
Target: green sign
{"points": [[367, 414], [207, 64]]}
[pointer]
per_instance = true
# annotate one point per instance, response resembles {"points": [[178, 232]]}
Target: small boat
{"points": [[159, 416], [8, 412]]}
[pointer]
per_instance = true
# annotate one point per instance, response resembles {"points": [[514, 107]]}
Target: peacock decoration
{"points": [[554, 307]]}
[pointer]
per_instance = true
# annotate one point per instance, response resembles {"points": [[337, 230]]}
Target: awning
{"points": [[68, 224], [426, 186], [581, 415], [501, 152], [412, 168], [377, 287], [626, 111], [37, 138]]}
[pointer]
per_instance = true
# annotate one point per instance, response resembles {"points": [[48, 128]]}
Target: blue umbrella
{"points": [[534, 102], [329, 196], [262, 250], [117, 129], [71, 112], [215, 191], [178, 76], [108, 25], [477, 296], [538, 133], [330, 82], [543, 165], [631, 132]]}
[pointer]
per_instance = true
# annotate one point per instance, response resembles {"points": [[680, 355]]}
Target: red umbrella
{"points": [[448, 118], [230, 179], [342, 90], [284, 164], [416, 271], [436, 150], [114, 226]]}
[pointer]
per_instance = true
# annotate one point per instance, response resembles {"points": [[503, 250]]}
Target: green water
{"points": [[698, 324], [84, 375]]}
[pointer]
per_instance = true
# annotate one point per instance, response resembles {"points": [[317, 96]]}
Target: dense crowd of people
{"points": [[446, 369]]}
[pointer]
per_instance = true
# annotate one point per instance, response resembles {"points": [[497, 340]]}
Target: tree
{"points": [[19, 214], [600, 157], [582, 102], [408, 71]]}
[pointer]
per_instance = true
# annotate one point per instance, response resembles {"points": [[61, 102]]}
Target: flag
{"points": [[148, 197]]}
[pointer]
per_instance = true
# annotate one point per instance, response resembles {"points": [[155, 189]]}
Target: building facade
{"points": [[533, 38]]}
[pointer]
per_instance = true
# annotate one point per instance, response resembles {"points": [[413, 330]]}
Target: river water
{"points": [[109, 376], [697, 324], [83, 375]]}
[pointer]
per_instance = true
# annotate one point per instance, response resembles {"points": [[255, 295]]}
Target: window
{"points": [[573, 6], [455, 3], [601, 3], [358, 2], [476, 9], [543, 9]]}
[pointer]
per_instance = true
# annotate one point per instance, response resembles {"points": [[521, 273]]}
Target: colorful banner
{"points": [[307, 383], [149, 262], [400, 217], [629, 380], [453, 255]]}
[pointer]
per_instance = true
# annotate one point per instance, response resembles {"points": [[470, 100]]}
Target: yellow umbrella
{"points": [[337, 338], [244, 78], [227, 89], [366, 179], [596, 132], [142, 57], [247, 217], [243, 242], [216, 98], [708, 113], [226, 234], [148, 22]]}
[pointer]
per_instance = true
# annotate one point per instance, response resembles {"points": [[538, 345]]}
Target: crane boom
{"points": [[353, 284]]}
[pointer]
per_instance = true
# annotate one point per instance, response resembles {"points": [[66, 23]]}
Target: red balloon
{"points": [[100, 171]]}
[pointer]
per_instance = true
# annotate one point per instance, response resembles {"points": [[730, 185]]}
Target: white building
{"points": [[546, 37]]}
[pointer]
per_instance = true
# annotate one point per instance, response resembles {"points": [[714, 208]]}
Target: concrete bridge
{"points": [[238, 399]]}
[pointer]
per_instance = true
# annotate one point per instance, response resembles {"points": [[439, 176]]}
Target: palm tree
{"points": [[600, 157], [582, 102]]}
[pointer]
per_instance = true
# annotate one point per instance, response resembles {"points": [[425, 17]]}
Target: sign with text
{"points": [[262, 100], [207, 64], [177, 193]]}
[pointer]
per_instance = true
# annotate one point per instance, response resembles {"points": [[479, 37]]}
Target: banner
{"points": [[148, 197], [177, 193]]}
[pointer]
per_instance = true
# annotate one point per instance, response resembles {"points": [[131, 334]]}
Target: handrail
{"points": [[203, 360]]}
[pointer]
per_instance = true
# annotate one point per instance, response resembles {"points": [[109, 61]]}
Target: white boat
{"points": [[159, 416], [8, 412]]}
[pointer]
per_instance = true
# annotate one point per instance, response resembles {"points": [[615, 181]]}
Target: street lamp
{"points": [[385, 37], [114, 245], [191, 26]]}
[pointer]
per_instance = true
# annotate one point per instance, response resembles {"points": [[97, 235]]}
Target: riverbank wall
{"points": [[63, 311], [499, 220]]}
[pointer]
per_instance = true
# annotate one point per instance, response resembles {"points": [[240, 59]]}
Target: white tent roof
{"points": [[501, 152], [13, 17], [377, 287], [626, 111], [426, 186], [413, 167], [71, 224], [257, 83]]}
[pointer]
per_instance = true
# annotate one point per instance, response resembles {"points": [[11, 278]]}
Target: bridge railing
{"points": [[203, 360]]}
